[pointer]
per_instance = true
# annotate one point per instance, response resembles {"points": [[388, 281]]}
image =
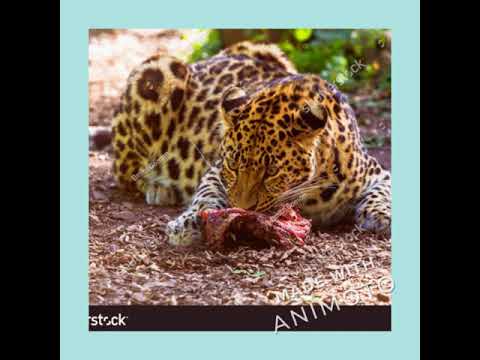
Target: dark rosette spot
{"points": [[149, 83], [179, 70], [176, 99]]}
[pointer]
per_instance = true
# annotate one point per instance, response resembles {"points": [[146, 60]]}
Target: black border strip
{"points": [[430, 186], [243, 318]]}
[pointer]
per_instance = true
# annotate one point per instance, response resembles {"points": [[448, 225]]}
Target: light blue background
{"points": [[77, 17]]}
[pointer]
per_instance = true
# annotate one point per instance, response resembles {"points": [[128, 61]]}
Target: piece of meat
{"points": [[226, 227]]}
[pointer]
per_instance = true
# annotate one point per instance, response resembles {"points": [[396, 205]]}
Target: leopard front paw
{"points": [[185, 230]]}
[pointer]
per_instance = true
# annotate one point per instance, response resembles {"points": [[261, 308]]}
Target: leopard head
{"points": [[270, 141]]}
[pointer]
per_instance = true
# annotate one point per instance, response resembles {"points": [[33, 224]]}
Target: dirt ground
{"points": [[130, 261]]}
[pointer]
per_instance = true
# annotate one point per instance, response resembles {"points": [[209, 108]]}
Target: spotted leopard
{"points": [[244, 129]]}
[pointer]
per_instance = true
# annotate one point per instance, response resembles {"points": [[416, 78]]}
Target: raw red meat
{"points": [[227, 227]]}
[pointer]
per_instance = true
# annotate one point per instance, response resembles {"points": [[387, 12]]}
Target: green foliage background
{"points": [[349, 58]]}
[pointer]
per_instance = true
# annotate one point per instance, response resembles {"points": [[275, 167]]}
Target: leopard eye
{"points": [[272, 169], [232, 164]]}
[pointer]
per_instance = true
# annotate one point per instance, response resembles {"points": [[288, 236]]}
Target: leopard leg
{"points": [[163, 195], [373, 210], [210, 194], [161, 190], [143, 148]]}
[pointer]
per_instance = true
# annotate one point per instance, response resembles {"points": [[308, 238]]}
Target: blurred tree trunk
{"points": [[231, 36]]}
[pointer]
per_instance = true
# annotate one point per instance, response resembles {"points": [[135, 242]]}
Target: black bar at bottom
{"points": [[239, 318]]}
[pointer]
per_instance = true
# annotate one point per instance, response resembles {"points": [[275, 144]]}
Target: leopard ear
{"points": [[232, 101], [310, 120]]}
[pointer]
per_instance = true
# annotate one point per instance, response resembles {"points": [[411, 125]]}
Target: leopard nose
{"points": [[246, 201]]}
